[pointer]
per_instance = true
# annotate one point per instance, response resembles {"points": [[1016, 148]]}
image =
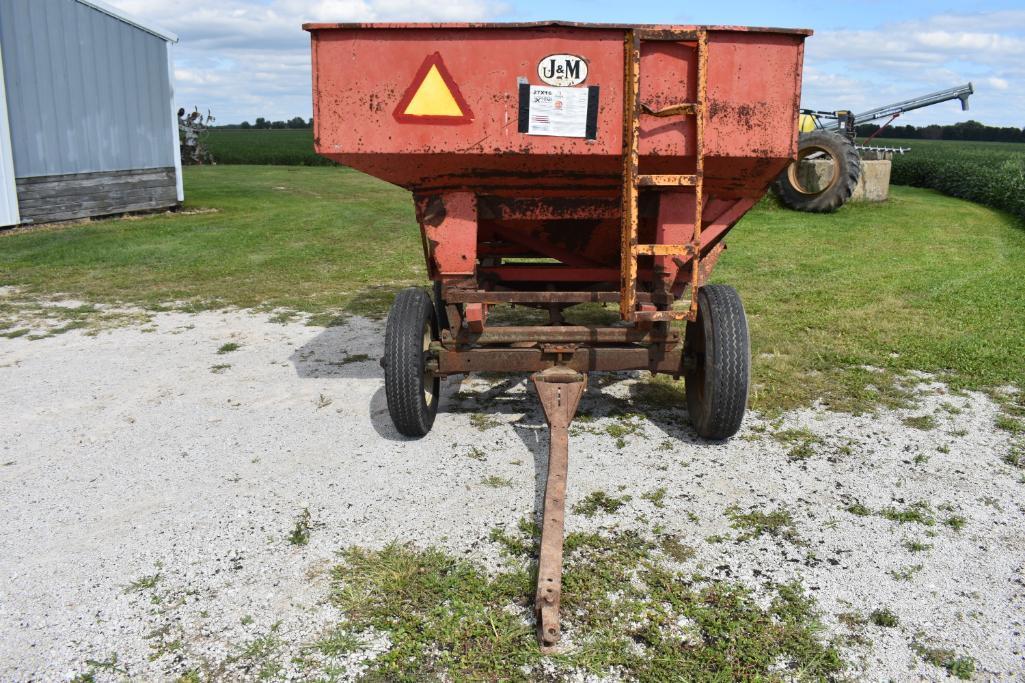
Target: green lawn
{"points": [[924, 282]]}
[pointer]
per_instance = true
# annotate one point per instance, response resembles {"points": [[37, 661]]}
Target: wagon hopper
{"points": [[554, 164]]}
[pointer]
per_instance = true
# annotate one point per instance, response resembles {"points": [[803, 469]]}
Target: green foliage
{"points": [[264, 147], [754, 523], [884, 617], [958, 666], [599, 501], [630, 617], [988, 173]]}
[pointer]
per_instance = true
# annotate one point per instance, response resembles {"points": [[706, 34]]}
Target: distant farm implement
{"points": [[556, 164], [830, 136]]}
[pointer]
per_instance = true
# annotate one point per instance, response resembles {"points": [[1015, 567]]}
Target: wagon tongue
{"points": [[560, 390]]}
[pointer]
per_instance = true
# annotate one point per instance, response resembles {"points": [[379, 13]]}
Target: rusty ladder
{"points": [[633, 180]]}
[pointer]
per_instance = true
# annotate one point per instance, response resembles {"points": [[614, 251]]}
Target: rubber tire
{"points": [[717, 384], [832, 198], [404, 362]]}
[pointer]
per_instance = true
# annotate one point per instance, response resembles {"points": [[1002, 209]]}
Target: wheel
{"points": [[717, 380], [846, 170], [412, 392]]}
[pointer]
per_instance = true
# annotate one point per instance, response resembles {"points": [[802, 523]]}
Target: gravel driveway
{"points": [[152, 476]]}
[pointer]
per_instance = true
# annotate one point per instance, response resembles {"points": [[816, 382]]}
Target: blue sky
{"points": [[248, 58]]}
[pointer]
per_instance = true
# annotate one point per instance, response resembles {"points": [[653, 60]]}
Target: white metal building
{"points": [[88, 125]]}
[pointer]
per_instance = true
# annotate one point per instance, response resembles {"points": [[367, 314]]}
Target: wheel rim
{"points": [[792, 174], [427, 379]]}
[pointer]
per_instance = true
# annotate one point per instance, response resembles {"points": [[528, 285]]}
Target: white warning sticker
{"points": [[558, 111]]}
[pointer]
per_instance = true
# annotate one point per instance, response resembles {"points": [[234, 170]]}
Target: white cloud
{"points": [[863, 69], [243, 59], [249, 58]]}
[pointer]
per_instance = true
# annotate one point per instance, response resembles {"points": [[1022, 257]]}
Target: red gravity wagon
{"points": [[554, 164]]}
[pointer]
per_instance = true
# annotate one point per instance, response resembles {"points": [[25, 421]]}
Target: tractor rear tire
{"points": [[846, 173], [412, 393], [719, 374]]}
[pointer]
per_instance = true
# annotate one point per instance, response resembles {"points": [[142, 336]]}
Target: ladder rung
{"points": [[663, 249], [672, 110], [662, 316], [666, 34], [666, 180]]}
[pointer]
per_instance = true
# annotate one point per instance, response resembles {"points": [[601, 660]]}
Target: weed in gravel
{"points": [[228, 348], [1010, 424], [144, 583], [917, 546], [656, 497], [884, 617], [923, 422], [110, 665], [477, 454], [755, 523], [955, 522], [496, 482], [905, 573], [801, 442], [354, 358], [628, 615], [674, 548], [623, 428], [943, 448], [260, 655], [14, 334], [219, 368], [483, 422], [1016, 456], [283, 317], [917, 513], [959, 667], [858, 509], [324, 401], [599, 501], [301, 531]]}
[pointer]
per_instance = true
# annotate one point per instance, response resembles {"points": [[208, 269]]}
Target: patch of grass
{"points": [[623, 427], [477, 454], [260, 655], [496, 482], [354, 358], [143, 584], [14, 334], [923, 422], [955, 522], [917, 546], [656, 497], [629, 615], [674, 548], [884, 617], [957, 666], [1010, 424], [858, 509], [905, 573], [301, 530], [916, 513], [755, 523], [228, 348], [800, 442], [483, 422], [600, 502], [1016, 456], [219, 368]]}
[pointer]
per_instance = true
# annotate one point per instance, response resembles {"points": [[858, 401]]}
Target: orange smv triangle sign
{"points": [[433, 97]]}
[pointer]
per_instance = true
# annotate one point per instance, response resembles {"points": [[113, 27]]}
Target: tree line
{"points": [[264, 124], [966, 130]]}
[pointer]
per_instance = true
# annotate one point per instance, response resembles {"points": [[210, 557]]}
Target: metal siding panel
{"points": [[87, 92]]}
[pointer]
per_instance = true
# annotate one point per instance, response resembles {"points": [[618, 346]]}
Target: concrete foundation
{"points": [[874, 185]]}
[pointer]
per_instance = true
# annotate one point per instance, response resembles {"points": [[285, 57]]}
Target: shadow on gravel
{"points": [[337, 352]]}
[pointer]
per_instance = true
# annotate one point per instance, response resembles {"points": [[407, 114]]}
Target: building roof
{"points": [[128, 19]]}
